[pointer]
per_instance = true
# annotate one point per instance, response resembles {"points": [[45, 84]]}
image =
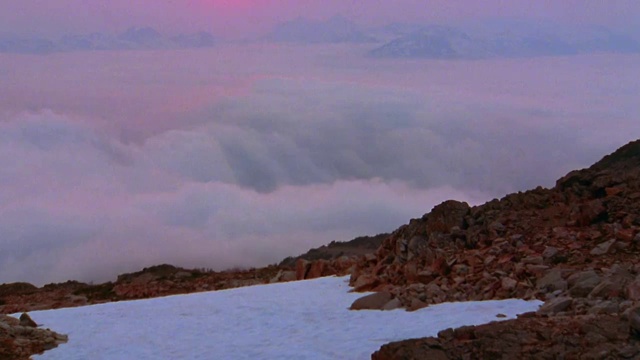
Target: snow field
{"points": [[296, 320]]}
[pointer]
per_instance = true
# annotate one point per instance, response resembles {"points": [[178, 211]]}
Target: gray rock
{"points": [[555, 305], [549, 252], [534, 260], [603, 248], [415, 246], [552, 281], [582, 283], [607, 289], [604, 307], [401, 248]]}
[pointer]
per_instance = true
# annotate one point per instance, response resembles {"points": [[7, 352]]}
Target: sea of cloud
{"points": [[246, 154]]}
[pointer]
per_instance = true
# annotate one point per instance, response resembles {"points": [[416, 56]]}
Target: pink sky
{"points": [[241, 18]]}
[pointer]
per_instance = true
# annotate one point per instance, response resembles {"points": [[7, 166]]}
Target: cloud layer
{"points": [[240, 156]]}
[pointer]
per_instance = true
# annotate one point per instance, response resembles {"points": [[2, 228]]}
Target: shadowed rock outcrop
{"points": [[574, 246], [19, 339]]}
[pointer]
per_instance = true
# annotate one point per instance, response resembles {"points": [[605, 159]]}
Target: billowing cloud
{"points": [[73, 209], [246, 154]]}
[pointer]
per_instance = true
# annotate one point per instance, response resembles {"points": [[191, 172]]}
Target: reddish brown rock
{"points": [[302, 268], [20, 339], [375, 301], [25, 320], [530, 338], [365, 283]]}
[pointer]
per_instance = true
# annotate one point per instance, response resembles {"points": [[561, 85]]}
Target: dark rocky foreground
{"points": [[575, 246], [19, 339], [561, 337]]}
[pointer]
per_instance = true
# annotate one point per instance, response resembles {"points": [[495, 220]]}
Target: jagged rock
{"points": [[607, 289], [375, 301], [605, 307], [284, 276], [416, 246], [552, 281], [19, 339], [302, 268], [555, 305], [582, 283], [447, 215], [318, 269], [603, 248], [434, 294], [25, 320], [416, 304], [588, 337], [393, 304], [365, 283]]}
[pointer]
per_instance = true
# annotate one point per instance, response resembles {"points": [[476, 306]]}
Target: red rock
{"points": [[375, 301], [302, 267], [416, 304], [317, 269], [626, 235], [365, 283]]}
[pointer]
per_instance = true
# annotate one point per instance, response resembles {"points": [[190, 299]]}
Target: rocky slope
{"points": [[334, 258], [336, 249], [575, 246], [582, 337]]}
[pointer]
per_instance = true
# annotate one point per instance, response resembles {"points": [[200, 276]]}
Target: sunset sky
{"points": [[246, 18], [246, 152]]}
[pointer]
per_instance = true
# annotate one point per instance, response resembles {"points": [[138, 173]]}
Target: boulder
{"points": [[318, 269], [555, 305], [365, 282], [603, 248], [552, 281], [393, 304], [375, 301], [302, 267], [446, 215], [607, 289], [582, 283], [25, 320]]}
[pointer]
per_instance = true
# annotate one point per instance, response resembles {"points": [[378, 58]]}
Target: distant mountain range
{"points": [[496, 38], [132, 38], [507, 39]]}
